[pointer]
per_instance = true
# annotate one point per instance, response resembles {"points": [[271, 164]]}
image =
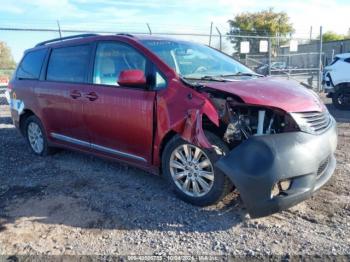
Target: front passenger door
{"points": [[120, 119]]}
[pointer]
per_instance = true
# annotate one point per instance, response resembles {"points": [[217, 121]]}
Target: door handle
{"points": [[92, 96], [75, 94]]}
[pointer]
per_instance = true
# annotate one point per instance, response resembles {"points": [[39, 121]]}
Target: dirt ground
{"points": [[74, 204]]}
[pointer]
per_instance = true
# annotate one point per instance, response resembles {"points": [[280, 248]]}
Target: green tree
{"points": [[331, 36], [6, 58], [263, 23]]}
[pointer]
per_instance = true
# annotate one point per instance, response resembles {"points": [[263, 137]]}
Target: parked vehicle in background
{"points": [[4, 80], [336, 81], [275, 66], [184, 110]]}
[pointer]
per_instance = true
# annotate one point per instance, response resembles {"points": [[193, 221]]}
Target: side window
{"points": [[160, 81], [69, 64], [347, 60], [31, 64], [113, 58]]}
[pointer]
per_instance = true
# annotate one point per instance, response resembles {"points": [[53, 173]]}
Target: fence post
{"points": [[149, 29], [310, 33], [319, 80], [211, 32], [270, 50], [217, 29], [59, 28]]}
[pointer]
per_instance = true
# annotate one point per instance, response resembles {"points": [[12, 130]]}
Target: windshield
{"points": [[192, 60]]}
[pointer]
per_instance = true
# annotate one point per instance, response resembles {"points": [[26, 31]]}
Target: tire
{"points": [[34, 131], [336, 99], [219, 187]]}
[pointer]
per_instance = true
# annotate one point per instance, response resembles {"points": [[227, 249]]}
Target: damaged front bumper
{"points": [[260, 162]]}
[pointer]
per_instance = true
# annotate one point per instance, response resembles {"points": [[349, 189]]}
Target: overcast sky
{"points": [[162, 15]]}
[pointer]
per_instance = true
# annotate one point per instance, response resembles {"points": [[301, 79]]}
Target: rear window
{"points": [[69, 64], [31, 64]]}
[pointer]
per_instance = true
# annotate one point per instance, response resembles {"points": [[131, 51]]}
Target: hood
{"points": [[287, 95]]}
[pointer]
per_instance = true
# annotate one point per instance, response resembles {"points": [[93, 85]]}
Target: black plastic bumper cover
{"points": [[259, 162]]}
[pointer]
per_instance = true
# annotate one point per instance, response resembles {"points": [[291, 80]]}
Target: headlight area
{"points": [[281, 187], [242, 121]]}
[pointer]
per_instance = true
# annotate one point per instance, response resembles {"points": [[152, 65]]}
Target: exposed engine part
{"points": [[268, 131], [261, 120], [233, 132], [243, 121]]}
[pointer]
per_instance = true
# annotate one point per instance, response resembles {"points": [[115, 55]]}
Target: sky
{"points": [[189, 16]]}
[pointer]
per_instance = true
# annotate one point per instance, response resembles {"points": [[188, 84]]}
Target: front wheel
{"points": [[191, 172], [341, 99]]}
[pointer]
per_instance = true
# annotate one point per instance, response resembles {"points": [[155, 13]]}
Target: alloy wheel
{"points": [[35, 137], [191, 170]]}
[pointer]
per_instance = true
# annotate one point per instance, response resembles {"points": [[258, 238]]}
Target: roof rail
{"points": [[125, 34], [64, 38]]}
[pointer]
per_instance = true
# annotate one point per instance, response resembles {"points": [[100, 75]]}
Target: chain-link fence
{"points": [[276, 56]]}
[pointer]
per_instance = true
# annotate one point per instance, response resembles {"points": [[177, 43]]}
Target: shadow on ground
{"points": [[78, 190]]}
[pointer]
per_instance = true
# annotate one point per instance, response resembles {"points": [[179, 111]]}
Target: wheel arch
{"points": [[22, 119], [167, 137], [342, 85]]}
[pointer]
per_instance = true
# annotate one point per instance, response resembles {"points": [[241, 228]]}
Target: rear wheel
{"points": [[36, 137], [191, 172], [341, 99]]}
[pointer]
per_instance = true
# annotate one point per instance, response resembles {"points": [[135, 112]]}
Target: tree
{"points": [[331, 36], [6, 59], [263, 23]]}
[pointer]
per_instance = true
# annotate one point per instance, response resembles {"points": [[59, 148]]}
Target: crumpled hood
{"points": [[287, 95]]}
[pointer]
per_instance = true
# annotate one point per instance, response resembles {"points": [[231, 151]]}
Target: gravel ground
{"points": [[74, 204]]}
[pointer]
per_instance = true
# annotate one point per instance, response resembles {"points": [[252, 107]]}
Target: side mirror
{"points": [[132, 78]]}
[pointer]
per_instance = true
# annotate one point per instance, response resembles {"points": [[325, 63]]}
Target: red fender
{"points": [[180, 109]]}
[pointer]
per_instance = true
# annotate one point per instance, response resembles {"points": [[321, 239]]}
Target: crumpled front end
{"points": [[274, 172], [278, 156]]}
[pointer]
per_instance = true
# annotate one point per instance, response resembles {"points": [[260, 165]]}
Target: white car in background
{"points": [[336, 80]]}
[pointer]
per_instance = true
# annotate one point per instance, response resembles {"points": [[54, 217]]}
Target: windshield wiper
{"points": [[206, 78], [242, 74]]}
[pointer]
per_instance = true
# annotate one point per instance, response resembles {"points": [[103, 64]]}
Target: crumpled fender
{"points": [[193, 131], [180, 109]]}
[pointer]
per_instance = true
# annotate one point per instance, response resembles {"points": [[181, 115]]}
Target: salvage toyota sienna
{"points": [[187, 111]]}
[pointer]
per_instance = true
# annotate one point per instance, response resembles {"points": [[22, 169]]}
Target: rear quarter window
{"points": [[69, 64], [31, 64]]}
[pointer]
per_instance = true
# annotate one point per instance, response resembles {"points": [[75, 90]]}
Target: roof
{"points": [[85, 36]]}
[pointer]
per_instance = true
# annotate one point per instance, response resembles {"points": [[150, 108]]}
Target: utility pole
{"points": [[320, 62], [59, 28], [211, 32], [270, 51], [217, 29], [310, 33], [149, 28]]}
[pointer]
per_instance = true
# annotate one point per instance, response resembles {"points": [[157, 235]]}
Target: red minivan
{"points": [[184, 110]]}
